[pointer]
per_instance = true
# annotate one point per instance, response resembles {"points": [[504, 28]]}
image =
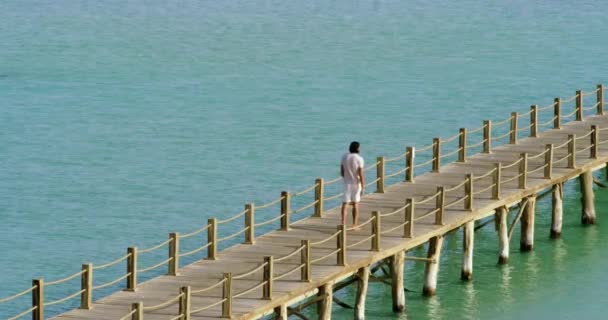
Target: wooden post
{"points": [[38, 299], [139, 311], [462, 145], [285, 210], [600, 99], [227, 296], [132, 268], [548, 161], [440, 206], [468, 240], [249, 223], [408, 229], [86, 284], [173, 254], [527, 225], [579, 105], [557, 211], [185, 304], [586, 184], [557, 113], [305, 260], [324, 308], [319, 190], [362, 283], [409, 164], [436, 154], [380, 175], [513, 136], [523, 171], [496, 180], [268, 277], [534, 121], [468, 192], [487, 136], [572, 151], [503, 234], [341, 244], [375, 246], [281, 313], [432, 267], [595, 137], [397, 290], [212, 238]]}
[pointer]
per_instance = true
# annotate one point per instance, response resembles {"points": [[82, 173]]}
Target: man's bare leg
{"points": [[344, 213], [356, 215]]}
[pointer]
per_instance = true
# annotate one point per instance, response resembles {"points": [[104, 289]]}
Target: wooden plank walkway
{"points": [[431, 218]]}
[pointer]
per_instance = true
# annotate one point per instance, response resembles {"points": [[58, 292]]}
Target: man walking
{"points": [[351, 171]]}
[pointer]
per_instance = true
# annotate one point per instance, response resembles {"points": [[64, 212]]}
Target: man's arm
{"points": [[342, 170], [361, 178]]}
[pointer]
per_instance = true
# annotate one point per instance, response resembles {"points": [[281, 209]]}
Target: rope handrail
{"points": [[485, 189], [371, 166], [503, 135], [129, 315], [450, 153], [111, 263], [589, 92], [66, 279], [504, 167], [548, 122], [562, 145], [570, 114], [361, 241], [325, 256], [591, 107], [568, 100], [279, 277], [561, 159], [23, 313], [500, 123], [372, 182], [155, 266], [395, 228], [429, 198], [602, 129], [396, 173], [271, 203], [458, 186], [361, 225], [334, 197], [455, 202], [450, 139], [524, 128], [477, 129], [208, 307], [584, 136], [425, 163], [257, 286], [189, 253], [511, 179], [335, 234], [485, 175], [188, 235], [538, 155], [15, 296], [308, 206], [551, 106], [401, 156], [158, 246], [289, 255], [425, 148], [523, 114], [585, 149], [394, 212], [213, 286], [234, 235], [164, 304], [478, 143], [333, 181], [427, 214], [178, 317], [307, 190], [115, 281], [65, 299], [537, 169], [236, 216], [250, 272], [269, 221]]}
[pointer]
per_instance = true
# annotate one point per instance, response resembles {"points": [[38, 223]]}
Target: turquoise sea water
{"points": [[122, 121]]}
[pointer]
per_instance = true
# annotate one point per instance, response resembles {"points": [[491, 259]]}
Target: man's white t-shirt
{"points": [[351, 162]]}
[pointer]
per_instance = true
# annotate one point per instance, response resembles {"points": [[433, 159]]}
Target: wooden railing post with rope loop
{"points": [[375, 231], [595, 136], [579, 105], [496, 179], [440, 206], [534, 121], [86, 285], [132, 268], [305, 260], [487, 136], [268, 274], [212, 238], [138, 307], [319, 190], [468, 191], [513, 136], [173, 253], [436, 154], [600, 99], [548, 161], [571, 151], [380, 175], [523, 171], [250, 223], [462, 145], [285, 208], [38, 299], [341, 244], [227, 296], [185, 304], [557, 113], [409, 164], [408, 230]]}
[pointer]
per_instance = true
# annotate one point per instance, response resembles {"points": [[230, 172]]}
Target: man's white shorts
{"points": [[352, 193]]}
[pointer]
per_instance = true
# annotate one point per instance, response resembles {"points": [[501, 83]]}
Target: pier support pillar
{"points": [[324, 307], [432, 267], [557, 211], [398, 293], [363, 275], [527, 225], [586, 182], [503, 234], [467, 247], [280, 312]]}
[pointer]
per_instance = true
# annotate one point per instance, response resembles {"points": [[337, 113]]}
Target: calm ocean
{"points": [[122, 121]]}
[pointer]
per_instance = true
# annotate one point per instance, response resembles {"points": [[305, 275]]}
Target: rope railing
{"points": [[562, 159], [399, 157], [277, 218], [361, 225], [588, 93], [226, 220], [156, 247], [569, 114], [538, 169], [111, 263], [360, 242], [513, 164], [372, 182], [458, 186], [511, 179], [485, 175], [484, 189], [537, 155], [213, 286], [73, 295], [508, 134], [234, 235], [66, 279], [548, 122], [250, 272], [334, 197], [400, 226], [426, 215], [428, 199], [325, 256], [129, 315], [371, 166], [329, 182], [304, 208], [283, 258], [257, 286], [32, 309], [425, 163], [189, 253], [523, 114], [395, 212], [165, 304], [113, 282], [549, 107], [586, 135], [450, 139], [592, 107], [505, 121], [457, 201], [305, 191], [269, 204], [478, 144], [451, 153], [17, 295], [208, 307], [477, 129], [320, 242], [288, 273], [568, 100], [155, 266], [584, 149], [526, 128], [425, 148], [562, 145], [396, 173]]}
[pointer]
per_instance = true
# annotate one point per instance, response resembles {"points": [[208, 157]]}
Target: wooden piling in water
{"points": [[467, 248], [557, 211], [587, 200], [362, 283], [280, 312], [527, 224], [324, 307], [432, 266], [503, 234], [397, 290]]}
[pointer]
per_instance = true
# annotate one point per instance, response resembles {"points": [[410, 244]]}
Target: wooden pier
{"points": [[303, 264]]}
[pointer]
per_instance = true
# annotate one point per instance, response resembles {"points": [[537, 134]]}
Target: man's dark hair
{"points": [[354, 147]]}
